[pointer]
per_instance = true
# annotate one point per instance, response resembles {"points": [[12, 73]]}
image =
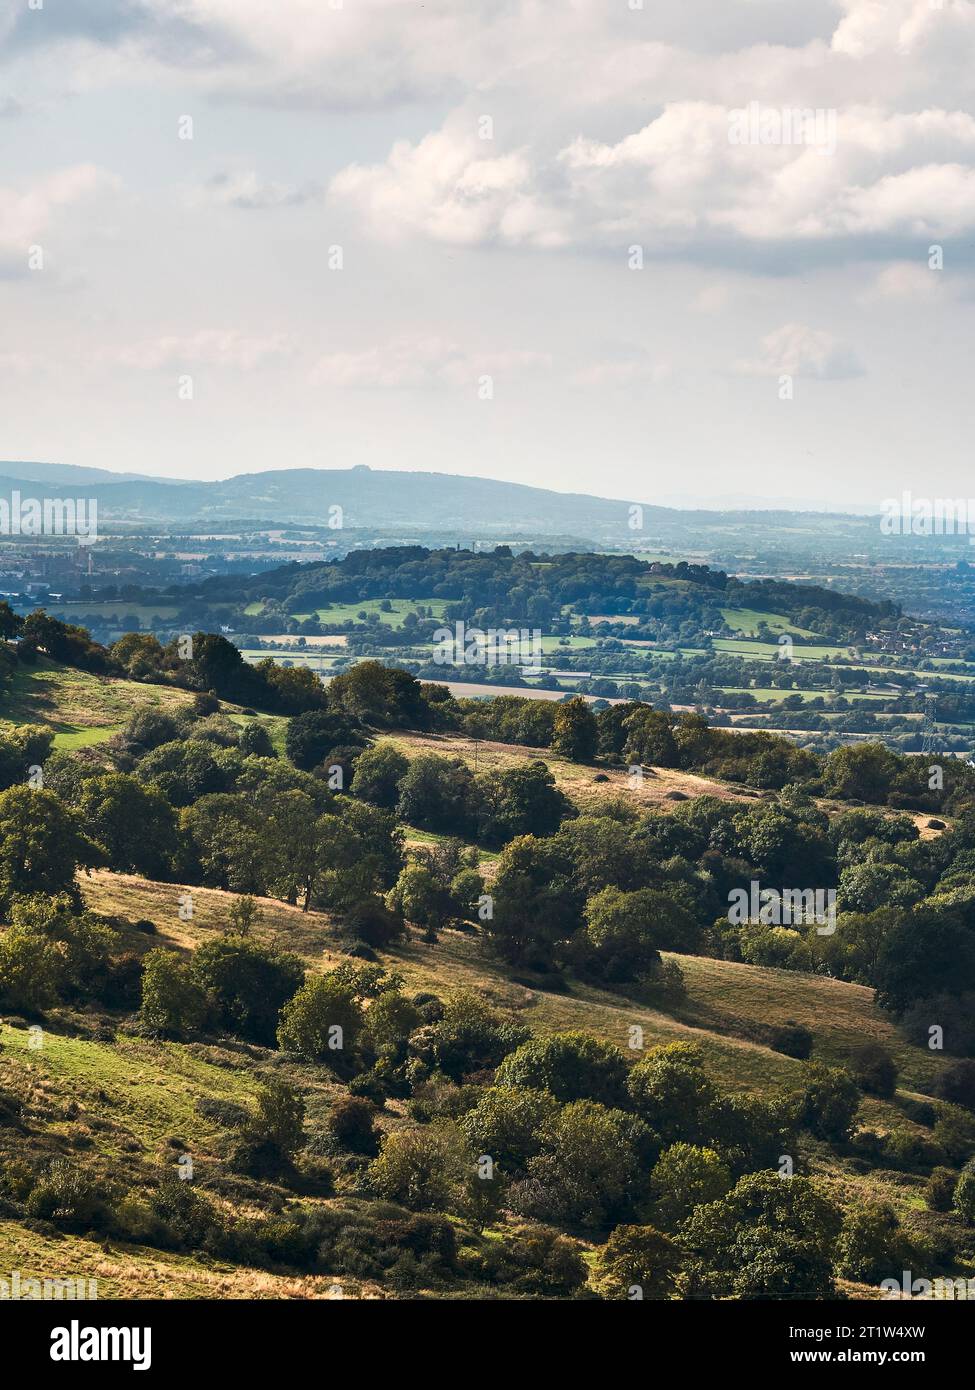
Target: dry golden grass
{"points": [[727, 1002], [575, 780], [132, 1271]]}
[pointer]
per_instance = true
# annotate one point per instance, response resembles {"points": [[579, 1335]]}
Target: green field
{"points": [[769, 651], [339, 613], [747, 620], [772, 693]]}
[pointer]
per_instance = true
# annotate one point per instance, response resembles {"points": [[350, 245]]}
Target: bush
{"points": [[964, 1199], [870, 1247], [683, 1178], [637, 1261], [670, 1091], [912, 1151], [954, 1131], [470, 1037], [187, 1220], [509, 1122], [424, 1168], [280, 1118], [255, 741], [956, 1084], [31, 971], [249, 983], [68, 1196], [374, 1241], [591, 1170], [792, 1039], [321, 1022], [536, 1260], [828, 1102], [939, 1190], [372, 922], [768, 1238], [571, 1066], [954, 1014], [378, 773], [173, 1003], [351, 1124], [874, 1070]]}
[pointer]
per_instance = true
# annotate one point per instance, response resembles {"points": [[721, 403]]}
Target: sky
{"points": [[652, 249]]}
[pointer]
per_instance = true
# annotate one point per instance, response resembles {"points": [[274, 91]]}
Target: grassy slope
{"points": [[131, 1096], [116, 1099], [725, 1002], [725, 998], [81, 708], [574, 779]]}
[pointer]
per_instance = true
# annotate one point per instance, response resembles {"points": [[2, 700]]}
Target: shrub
{"points": [[939, 1190], [956, 1084], [637, 1258], [828, 1103], [954, 1131], [351, 1124], [187, 1220], [31, 971], [424, 1168], [378, 773], [767, 1238], [255, 741], [911, 1151], [953, 1013], [684, 1177], [792, 1039], [372, 922], [280, 1118], [874, 1069], [572, 1066], [964, 1199], [173, 1003], [69, 1196], [469, 1038], [591, 1169], [869, 1247], [249, 984], [509, 1122], [321, 1022], [537, 1260], [672, 1093]]}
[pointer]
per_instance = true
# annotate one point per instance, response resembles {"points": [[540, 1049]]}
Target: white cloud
{"points": [[409, 363], [799, 351], [679, 181], [245, 189], [622, 371], [209, 347], [452, 187], [29, 210], [905, 280]]}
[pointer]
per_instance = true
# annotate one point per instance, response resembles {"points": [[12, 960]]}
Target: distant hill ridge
{"points": [[373, 498]]}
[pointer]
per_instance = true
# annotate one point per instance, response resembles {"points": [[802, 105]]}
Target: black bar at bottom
{"points": [[267, 1337]]}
